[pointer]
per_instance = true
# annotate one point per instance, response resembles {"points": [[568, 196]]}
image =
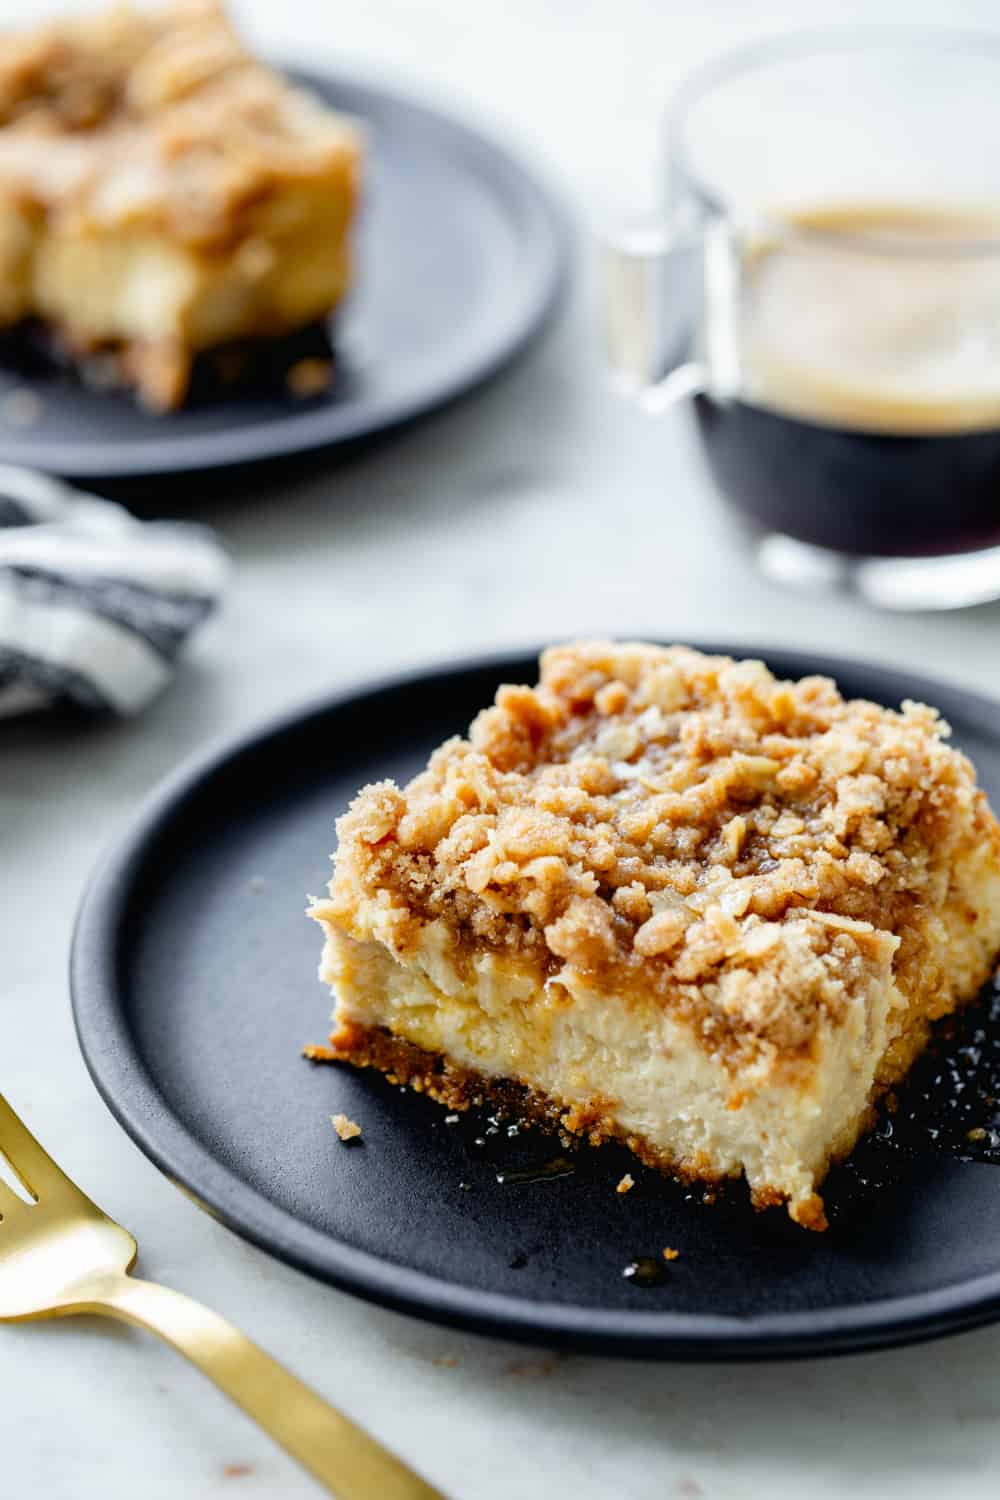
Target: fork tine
{"points": [[32, 1164]]}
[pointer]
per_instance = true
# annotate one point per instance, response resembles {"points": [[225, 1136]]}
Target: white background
{"points": [[542, 507]]}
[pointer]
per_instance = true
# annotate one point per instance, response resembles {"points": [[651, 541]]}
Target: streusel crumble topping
{"points": [[749, 848]]}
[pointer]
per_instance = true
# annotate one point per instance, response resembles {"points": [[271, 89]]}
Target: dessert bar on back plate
{"points": [[163, 194]]}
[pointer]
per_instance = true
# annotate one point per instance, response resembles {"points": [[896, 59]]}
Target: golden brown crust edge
{"points": [[461, 1088]]}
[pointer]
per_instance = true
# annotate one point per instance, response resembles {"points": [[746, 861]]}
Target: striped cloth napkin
{"points": [[94, 605]]}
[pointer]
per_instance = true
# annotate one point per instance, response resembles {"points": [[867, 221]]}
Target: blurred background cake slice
{"points": [[163, 194]]}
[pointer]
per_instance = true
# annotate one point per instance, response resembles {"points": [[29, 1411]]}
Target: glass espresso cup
{"points": [[825, 286]]}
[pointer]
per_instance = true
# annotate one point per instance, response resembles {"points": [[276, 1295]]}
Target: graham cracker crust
{"points": [[462, 1088]]}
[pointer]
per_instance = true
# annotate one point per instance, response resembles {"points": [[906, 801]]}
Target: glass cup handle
{"points": [[670, 295]]}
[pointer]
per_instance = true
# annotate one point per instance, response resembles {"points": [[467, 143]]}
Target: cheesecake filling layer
{"points": [[623, 1067]]}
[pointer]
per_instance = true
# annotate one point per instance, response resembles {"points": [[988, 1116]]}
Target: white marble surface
{"points": [[541, 508]]}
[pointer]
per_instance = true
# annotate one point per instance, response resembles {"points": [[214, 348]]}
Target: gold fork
{"points": [[60, 1255]]}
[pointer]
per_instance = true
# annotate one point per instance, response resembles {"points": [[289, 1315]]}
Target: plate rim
{"points": [[130, 1093], [548, 242]]}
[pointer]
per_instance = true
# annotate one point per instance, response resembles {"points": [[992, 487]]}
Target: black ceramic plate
{"points": [[460, 257], [194, 986]]}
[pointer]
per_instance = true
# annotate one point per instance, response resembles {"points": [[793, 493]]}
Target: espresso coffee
{"points": [[868, 421]]}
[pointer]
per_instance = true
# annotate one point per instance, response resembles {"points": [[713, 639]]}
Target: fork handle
{"points": [[341, 1455]]}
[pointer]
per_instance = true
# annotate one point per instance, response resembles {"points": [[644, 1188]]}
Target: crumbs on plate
{"points": [[309, 377], [347, 1129]]}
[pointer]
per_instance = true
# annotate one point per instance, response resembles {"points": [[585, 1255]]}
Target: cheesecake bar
{"points": [[667, 898], [163, 194]]}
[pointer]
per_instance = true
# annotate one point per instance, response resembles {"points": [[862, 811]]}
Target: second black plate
{"points": [[194, 986]]}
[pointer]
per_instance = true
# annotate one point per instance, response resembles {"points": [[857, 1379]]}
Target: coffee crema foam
{"points": [[879, 318]]}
